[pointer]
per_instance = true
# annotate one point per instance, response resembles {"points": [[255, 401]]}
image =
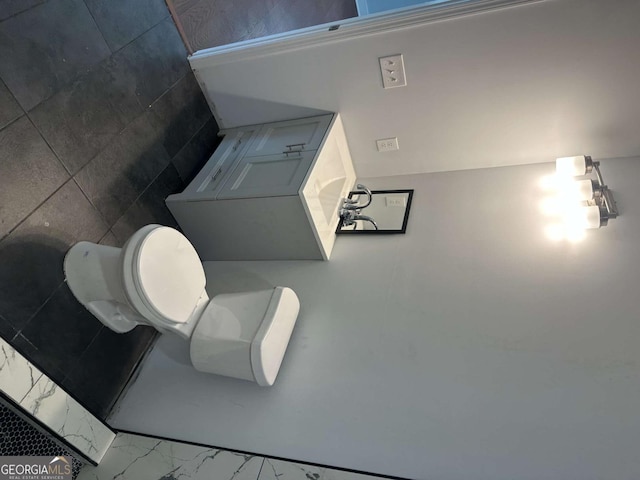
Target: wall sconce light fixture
{"points": [[577, 204]]}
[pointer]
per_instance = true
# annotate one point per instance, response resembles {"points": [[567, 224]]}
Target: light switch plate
{"points": [[392, 69]]}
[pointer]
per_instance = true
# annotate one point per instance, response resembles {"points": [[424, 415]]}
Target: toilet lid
{"points": [[169, 274]]}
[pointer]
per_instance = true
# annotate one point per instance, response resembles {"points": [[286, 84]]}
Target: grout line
{"points": [[15, 99], [104, 39], [105, 236], [102, 217], [139, 35], [169, 88], [53, 150], [71, 177], [73, 368], [11, 337], [140, 196], [31, 212], [25, 10], [261, 466], [91, 70], [188, 142], [38, 310], [15, 119]]}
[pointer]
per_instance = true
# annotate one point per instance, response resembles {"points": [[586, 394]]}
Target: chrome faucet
{"points": [[350, 204], [350, 211], [364, 218]]}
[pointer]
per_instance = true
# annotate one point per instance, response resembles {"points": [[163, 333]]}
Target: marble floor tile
{"points": [[283, 470], [17, 374], [55, 408], [146, 458]]}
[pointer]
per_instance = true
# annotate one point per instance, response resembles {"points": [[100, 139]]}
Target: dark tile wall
{"points": [[210, 23], [100, 120]]}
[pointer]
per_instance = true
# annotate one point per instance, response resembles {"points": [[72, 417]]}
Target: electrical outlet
{"points": [[392, 69], [387, 144], [396, 201]]}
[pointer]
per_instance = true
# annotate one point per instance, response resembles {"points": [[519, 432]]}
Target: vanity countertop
{"points": [[328, 181]]}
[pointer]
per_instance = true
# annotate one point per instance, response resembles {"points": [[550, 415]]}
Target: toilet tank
{"points": [[221, 341]]}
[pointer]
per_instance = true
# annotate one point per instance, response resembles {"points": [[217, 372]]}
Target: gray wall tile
{"points": [[9, 8], [61, 331], [156, 60], [86, 116], [120, 173], [47, 46], [9, 108], [195, 154], [29, 173], [150, 207], [120, 21], [31, 257], [180, 113]]}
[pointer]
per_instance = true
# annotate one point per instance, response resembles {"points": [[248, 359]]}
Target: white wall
{"points": [[469, 348], [514, 86]]}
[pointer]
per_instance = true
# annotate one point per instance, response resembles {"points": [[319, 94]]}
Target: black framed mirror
{"points": [[387, 213]]}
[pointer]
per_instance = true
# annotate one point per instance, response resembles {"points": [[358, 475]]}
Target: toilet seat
{"points": [[163, 275]]}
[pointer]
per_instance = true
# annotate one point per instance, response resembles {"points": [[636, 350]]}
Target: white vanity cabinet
{"points": [[269, 192]]}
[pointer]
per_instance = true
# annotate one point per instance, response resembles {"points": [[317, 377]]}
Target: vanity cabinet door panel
{"points": [[295, 135], [268, 176], [212, 176]]}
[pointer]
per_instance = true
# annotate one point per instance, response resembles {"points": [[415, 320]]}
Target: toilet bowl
{"points": [[157, 279]]}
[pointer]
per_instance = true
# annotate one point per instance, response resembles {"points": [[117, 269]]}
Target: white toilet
{"points": [[157, 279]]}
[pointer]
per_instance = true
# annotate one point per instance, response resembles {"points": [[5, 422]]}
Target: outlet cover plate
{"points": [[392, 69], [396, 200], [387, 144]]}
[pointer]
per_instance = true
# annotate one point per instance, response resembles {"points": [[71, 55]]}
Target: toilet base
{"points": [[93, 276]]}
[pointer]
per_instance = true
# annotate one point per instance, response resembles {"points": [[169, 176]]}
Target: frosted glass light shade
{"points": [[571, 166], [584, 190], [592, 216]]}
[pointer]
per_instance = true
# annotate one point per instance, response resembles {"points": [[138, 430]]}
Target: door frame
{"points": [[345, 29]]}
